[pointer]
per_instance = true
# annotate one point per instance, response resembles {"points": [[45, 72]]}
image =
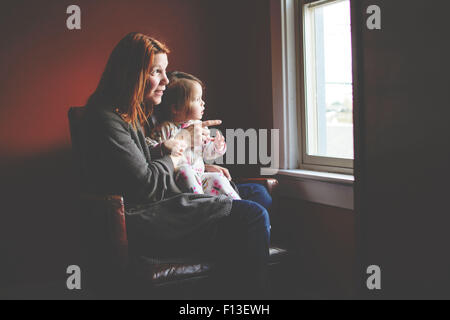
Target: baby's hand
{"points": [[219, 141], [174, 147]]}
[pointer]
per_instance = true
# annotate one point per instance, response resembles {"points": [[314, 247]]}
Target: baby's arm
{"points": [[214, 148]]}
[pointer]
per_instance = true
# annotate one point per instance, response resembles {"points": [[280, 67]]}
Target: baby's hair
{"points": [[177, 96]]}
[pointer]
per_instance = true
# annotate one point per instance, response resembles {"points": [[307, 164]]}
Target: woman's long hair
{"points": [[123, 82]]}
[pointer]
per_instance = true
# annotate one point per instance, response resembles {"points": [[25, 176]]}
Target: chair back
{"points": [[103, 216]]}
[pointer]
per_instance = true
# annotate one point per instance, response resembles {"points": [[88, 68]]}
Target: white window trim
{"points": [[309, 185], [284, 81], [287, 91]]}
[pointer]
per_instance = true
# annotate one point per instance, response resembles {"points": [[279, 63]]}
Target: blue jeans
{"points": [[244, 238], [255, 192]]}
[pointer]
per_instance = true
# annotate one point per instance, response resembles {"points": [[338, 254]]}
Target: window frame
{"points": [[290, 96], [319, 163]]}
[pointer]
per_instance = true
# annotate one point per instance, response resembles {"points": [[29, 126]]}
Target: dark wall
{"points": [[321, 241], [403, 148], [240, 90], [46, 68]]}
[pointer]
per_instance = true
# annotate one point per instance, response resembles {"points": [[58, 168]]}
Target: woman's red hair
{"points": [[123, 82]]}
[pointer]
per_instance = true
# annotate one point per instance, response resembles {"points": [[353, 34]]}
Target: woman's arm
{"points": [[155, 147], [161, 141], [123, 157]]}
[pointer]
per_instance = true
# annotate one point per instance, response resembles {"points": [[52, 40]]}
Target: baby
{"points": [[181, 107]]}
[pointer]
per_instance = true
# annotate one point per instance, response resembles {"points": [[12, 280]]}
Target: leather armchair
{"points": [[113, 271]]}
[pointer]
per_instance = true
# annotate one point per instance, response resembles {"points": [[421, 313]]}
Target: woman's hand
{"points": [[216, 168], [176, 160], [174, 147]]}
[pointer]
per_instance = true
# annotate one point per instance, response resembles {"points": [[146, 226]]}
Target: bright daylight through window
{"points": [[328, 80]]}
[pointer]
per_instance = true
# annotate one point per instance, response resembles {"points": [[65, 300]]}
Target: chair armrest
{"points": [[271, 184], [105, 216]]}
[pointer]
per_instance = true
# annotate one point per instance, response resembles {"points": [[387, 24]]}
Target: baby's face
{"points": [[197, 105]]}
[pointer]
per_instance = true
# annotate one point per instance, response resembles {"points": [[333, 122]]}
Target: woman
{"points": [[160, 219]]}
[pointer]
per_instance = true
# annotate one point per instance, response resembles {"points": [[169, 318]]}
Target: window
{"points": [[325, 56], [312, 84], [312, 80]]}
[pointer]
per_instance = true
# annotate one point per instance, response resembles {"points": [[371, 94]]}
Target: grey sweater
{"points": [[116, 160]]}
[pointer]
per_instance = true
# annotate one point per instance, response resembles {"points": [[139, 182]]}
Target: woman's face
{"points": [[157, 80]]}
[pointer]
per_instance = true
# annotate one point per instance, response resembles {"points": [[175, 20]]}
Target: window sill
{"points": [[319, 176], [325, 188]]}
